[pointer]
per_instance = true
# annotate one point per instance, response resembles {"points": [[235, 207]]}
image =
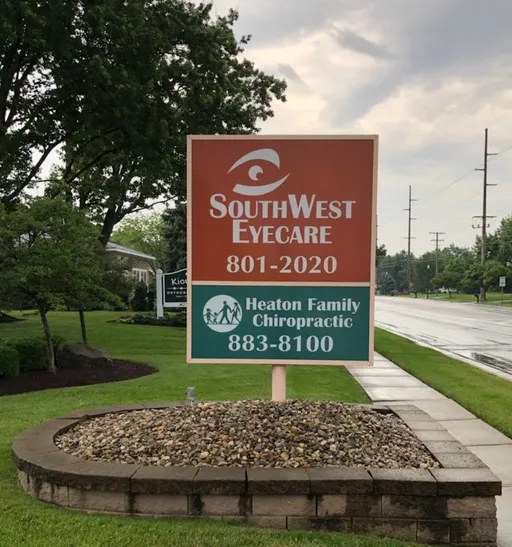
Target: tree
{"points": [[116, 86], [493, 270], [33, 35], [504, 241], [189, 78], [144, 233], [459, 264], [396, 266], [423, 271], [89, 295], [386, 284], [115, 280], [52, 87], [447, 279], [472, 279], [175, 234], [380, 253], [47, 254]]}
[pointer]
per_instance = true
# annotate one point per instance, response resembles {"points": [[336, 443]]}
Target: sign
{"points": [[503, 281], [175, 289], [281, 249]]}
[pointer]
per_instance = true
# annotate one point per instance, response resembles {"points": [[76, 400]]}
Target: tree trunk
{"points": [[48, 339], [109, 222], [83, 328]]}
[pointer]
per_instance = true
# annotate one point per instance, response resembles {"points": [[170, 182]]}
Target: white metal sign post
{"points": [[159, 294]]}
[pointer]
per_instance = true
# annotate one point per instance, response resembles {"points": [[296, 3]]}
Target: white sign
{"points": [[503, 281]]}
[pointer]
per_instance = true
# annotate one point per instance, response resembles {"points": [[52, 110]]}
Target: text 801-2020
{"points": [[285, 264]]}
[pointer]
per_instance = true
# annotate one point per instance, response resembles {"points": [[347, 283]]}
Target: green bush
{"points": [[140, 298], [31, 353], [151, 296], [9, 361], [177, 319], [30, 313]]}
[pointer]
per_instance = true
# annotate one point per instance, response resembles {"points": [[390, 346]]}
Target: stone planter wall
{"points": [[451, 505]]}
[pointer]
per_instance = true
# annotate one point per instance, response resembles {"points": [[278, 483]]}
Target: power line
{"points": [[484, 216], [453, 183], [399, 261], [437, 241], [456, 181], [409, 237]]}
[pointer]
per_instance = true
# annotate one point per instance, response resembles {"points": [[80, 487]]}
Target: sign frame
{"points": [[176, 305], [373, 234]]}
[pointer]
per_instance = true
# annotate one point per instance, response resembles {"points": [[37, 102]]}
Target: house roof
{"points": [[121, 249]]}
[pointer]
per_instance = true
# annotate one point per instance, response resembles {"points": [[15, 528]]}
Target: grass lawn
{"points": [[27, 522], [482, 393], [493, 298]]}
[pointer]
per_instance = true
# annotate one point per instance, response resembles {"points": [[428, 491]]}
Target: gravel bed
{"points": [[250, 434]]}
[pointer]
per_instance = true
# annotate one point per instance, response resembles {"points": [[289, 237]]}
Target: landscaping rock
{"points": [[71, 354], [265, 434]]}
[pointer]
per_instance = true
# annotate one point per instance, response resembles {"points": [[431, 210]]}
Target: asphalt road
{"points": [[479, 334]]}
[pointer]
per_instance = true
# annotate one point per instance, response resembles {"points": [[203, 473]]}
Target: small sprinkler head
{"points": [[191, 394]]}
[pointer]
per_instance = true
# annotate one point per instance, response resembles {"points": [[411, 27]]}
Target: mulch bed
{"points": [[79, 375]]}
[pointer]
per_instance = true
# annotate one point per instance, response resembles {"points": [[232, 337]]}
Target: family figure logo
{"points": [[222, 313]]}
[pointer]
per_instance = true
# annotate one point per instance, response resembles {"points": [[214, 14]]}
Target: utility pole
{"points": [[409, 237], [437, 241], [484, 216]]}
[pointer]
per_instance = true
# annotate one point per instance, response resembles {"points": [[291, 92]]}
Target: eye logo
{"points": [[266, 154]]}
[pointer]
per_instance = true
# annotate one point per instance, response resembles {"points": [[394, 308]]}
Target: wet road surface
{"points": [[479, 334]]}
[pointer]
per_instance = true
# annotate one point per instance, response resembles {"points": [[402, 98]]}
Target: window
{"points": [[140, 275]]}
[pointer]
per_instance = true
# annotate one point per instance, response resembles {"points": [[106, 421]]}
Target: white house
{"points": [[142, 265]]}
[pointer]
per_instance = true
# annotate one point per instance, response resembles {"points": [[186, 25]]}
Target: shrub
{"points": [[151, 297], [176, 319], [115, 281], [9, 361], [140, 298], [30, 313], [31, 353]]}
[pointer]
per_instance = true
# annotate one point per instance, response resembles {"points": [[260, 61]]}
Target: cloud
{"points": [[289, 73], [275, 22], [350, 40], [427, 75]]}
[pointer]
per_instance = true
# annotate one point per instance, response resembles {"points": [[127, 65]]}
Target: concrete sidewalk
{"points": [[388, 384]]}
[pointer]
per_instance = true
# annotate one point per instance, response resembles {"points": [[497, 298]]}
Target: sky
{"points": [[427, 76]]}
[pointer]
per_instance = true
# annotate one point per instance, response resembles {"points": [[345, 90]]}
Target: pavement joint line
{"points": [[480, 445]]}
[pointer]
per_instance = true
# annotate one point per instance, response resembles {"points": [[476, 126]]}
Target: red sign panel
{"points": [[282, 209]]}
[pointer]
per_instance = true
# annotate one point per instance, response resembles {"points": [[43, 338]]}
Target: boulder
{"points": [[5, 318], [73, 354]]}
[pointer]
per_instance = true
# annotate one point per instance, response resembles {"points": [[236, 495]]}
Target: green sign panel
{"points": [[285, 323]]}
